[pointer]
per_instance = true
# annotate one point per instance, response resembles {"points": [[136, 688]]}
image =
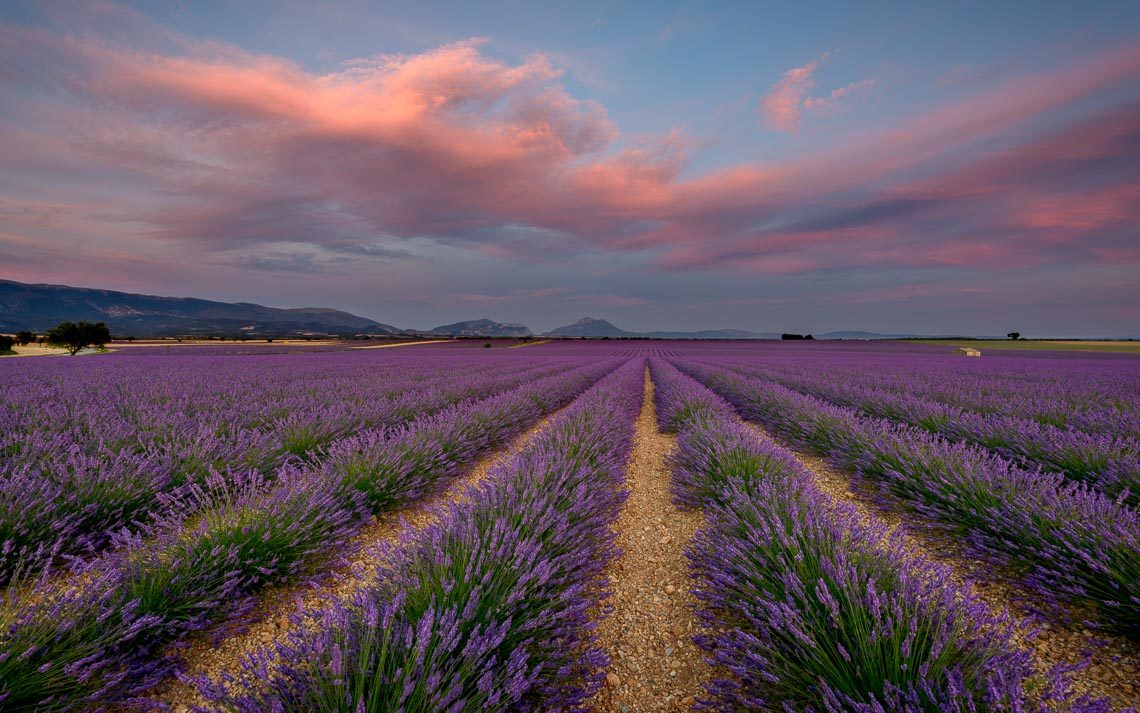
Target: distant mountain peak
{"points": [[590, 327]]}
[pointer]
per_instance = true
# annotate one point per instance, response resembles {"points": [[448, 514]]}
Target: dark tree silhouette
{"points": [[76, 336], [1014, 335], [24, 338], [6, 343]]}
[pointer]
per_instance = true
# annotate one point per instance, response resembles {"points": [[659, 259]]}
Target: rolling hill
{"points": [[39, 307]]}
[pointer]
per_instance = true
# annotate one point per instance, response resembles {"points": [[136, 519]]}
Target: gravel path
{"points": [[271, 620], [1114, 662], [656, 667]]}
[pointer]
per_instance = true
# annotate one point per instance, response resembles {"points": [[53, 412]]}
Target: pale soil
{"points": [[36, 350], [405, 344], [1114, 667], [528, 344], [270, 620], [656, 666], [228, 342]]}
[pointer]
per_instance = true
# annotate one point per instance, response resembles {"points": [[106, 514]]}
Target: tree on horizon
{"points": [[77, 336]]}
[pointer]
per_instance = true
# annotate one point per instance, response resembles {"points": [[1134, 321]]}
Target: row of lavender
{"points": [[1110, 463], [66, 648], [490, 609], [137, 437], [1071, 544], [807, 606], [1099, 396]]}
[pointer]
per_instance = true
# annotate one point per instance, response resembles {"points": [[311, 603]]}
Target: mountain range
{"points": [[38, 307]]}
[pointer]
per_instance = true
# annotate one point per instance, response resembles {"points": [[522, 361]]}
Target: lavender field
{"points": [[875, 526]]}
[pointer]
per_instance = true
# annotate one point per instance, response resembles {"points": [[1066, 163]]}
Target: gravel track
{"points": [[656, 666], [1113, 671]]}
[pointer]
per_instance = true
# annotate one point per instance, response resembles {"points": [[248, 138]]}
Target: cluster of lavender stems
{"points": [[492, 608], [806, 605], [1071, 544], [100, 636], [1110, 463]]}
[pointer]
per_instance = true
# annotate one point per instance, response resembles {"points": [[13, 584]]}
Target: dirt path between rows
{"points": [[405, 344], [1114, 663], [271, 618], [656, 666]]}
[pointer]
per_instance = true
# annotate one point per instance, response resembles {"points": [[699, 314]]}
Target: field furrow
{"points": [[811, 601], [489, 608], [281, 611], [649, 626], [1109, 665], [188, 579], [1110, 464], [619, 526], [1073, 546]]}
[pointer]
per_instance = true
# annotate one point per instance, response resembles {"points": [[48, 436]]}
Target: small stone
{"points": [[666, 539], [669, 589], [613, 680], [668, 650], [688, 701]]}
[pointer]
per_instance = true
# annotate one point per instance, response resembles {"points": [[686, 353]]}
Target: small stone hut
{"points": [[969, 351]]}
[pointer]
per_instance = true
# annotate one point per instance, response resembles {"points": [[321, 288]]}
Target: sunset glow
{"points": [[426, 166]]}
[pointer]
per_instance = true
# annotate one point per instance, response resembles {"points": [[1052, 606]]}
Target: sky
{"points": [[957, 167]]}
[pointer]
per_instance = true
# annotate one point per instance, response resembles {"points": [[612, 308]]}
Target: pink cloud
{"points": [[783, 105]]}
